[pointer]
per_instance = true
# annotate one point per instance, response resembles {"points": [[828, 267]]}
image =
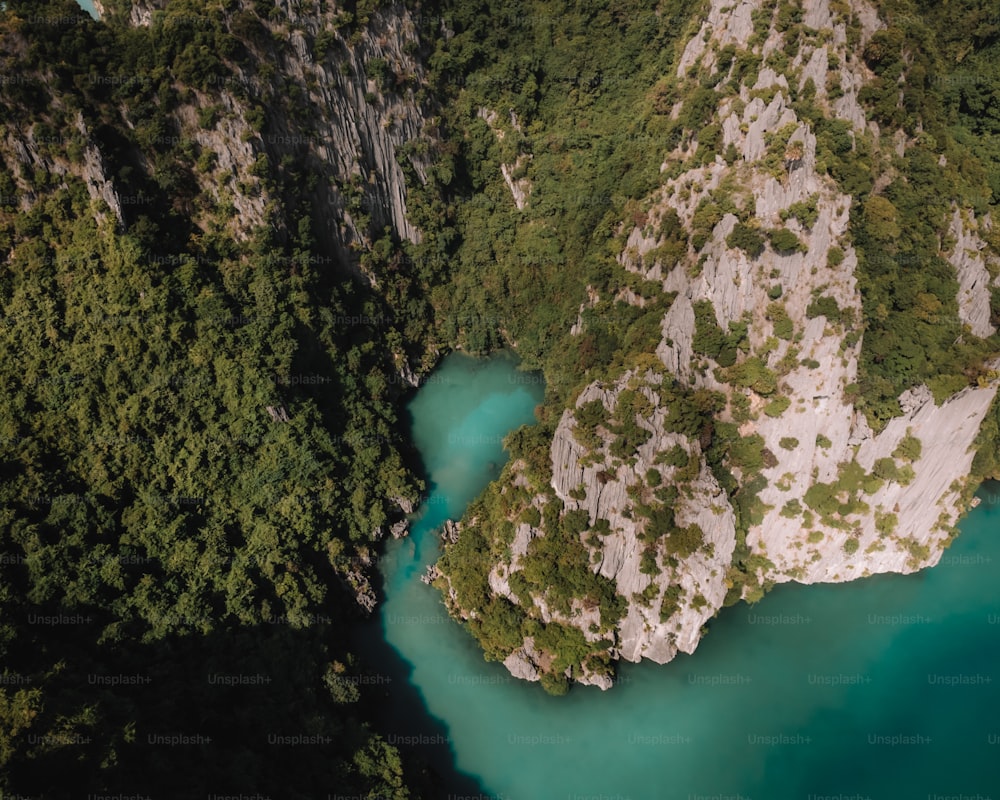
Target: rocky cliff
{"points": [[770, 276], [332, 99]]}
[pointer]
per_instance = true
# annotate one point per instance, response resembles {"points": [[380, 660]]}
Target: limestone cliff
{"points": [[823, 497], [334, 101]]}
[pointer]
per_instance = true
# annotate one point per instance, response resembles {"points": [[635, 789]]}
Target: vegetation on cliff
{"points": [[200, 439], [594, 139]]}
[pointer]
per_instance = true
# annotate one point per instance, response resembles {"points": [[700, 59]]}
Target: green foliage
{"points": [[753, 373], [908, 449], [944, 386], [784, 241], [683, 542], [746, 238], [824, 306], [710, 340], [588, 417], [822, 441], [886, 469], [789, 442], [783, 326], [777, 407], [152, 491], [822, 498], [791, 509], [670, 603], [747, 452], [676, 456], [805, 211], [885, 523]]}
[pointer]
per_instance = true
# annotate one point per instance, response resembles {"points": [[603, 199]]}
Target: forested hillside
{"points": [[201, 444], [234, 234]]}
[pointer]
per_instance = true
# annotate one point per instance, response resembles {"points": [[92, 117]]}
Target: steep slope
{"points": [[204, 350], [761, 445]]}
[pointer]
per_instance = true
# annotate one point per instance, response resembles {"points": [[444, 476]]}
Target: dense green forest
{"points": [[201, 441]]}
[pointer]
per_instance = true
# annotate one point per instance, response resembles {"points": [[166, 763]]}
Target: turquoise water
{"points": [[88, 6], [885, 688]]}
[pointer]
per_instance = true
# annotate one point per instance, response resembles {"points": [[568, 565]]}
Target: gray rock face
{"points": [[969, 260], [348, 131], [520, 188], [521, 664], [358, 129], [899, 523], [772, 117], [728, 22], [93, 171], [606, 486]]}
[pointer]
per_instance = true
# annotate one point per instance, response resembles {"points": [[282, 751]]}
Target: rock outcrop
{"points": [[337, 103], [974, 280], [823, 497]]}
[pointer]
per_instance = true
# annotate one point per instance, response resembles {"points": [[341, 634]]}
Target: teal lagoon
{"points": [[884, 688]]}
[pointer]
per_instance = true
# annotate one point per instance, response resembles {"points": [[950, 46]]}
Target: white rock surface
{"points": [[728, 22], [814, 378], [968, 258]]}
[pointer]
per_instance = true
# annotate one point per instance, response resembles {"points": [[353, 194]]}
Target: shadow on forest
{"points": [[240, 712]]}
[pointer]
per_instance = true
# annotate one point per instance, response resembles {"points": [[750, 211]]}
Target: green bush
{"points": [[783, 327], [746, 238], [670, 604], [747, 452], [784, 241], [676, 456], [824, 306], [908, 449], [789, 442], [822, 498], [777, 407], [885, 524], [805, 211], [886, 469], [791, 509], [710, 340], [683, 542], [753, 373]]}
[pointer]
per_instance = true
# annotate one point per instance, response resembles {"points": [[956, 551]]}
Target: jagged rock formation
{"points": [[520, 187], [340, 106], [34, 154], [827, 498], [605, 488], [974, 277]]}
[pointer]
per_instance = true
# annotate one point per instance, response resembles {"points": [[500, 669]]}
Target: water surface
{"points": [[883, 688], [88, 6]]}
